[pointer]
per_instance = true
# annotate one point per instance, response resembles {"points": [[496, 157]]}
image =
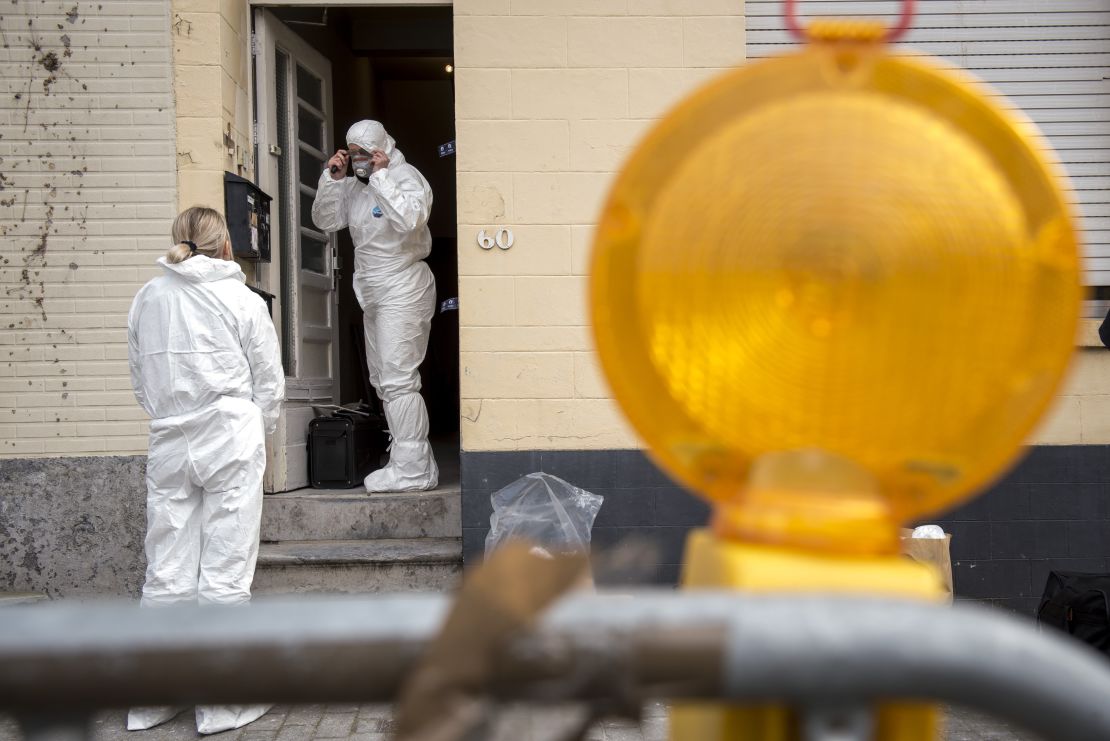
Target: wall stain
{"points": [[41, 220]]}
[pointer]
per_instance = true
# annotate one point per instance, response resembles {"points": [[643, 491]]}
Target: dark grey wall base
{"points": [[1051, 512], [73, 527]]}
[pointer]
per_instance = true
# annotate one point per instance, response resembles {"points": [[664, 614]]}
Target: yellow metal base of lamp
{"points": [[712, 562]]}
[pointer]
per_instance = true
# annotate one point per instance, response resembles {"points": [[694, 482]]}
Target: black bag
{"points": [[344, 448], [1079, 605]]}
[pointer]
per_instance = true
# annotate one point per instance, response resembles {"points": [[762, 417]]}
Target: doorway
{"points": [[392, 64]]}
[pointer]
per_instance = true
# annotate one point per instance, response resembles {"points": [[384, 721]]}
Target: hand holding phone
{"points": [[337, 165]]}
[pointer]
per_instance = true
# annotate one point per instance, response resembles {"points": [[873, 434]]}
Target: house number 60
{"points": [[503, 238]]}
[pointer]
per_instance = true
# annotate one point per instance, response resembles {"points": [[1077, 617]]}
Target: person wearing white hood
{"points": [[205, 366], [386, 206]]}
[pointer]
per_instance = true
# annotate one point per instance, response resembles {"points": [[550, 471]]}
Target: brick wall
{"points": [[550, 97], [86, 197]]}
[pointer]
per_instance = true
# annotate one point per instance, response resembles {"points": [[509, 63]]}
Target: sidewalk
{"points": [[373, 723]]}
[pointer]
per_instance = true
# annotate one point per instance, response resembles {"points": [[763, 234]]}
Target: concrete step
{"points": [[352, 514], [358, 566]]}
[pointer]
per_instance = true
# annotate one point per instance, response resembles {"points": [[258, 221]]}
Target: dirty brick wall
{"points": [[87, 195]]}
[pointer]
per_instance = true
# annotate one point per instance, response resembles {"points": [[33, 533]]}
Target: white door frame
{"points": [[288, 468], [292, 424]]}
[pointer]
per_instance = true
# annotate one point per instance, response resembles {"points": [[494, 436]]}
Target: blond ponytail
{"points": [[198, 231]]}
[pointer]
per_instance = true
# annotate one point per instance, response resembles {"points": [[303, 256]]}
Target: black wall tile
{"points": [[1088, 539], [970, 540], [992, 579], [1097, 498], [1053, 464], [975, 510], [1051, 540], [1094, 463], [1062, 502], [586, 469], [674, 506], [476, 507], [1013, 539], [493, 470], [635, 470], [474, 544], [1005, 503], [626, 507]]}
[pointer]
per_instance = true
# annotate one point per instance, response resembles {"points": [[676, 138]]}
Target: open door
{"points": [[293, 113]]}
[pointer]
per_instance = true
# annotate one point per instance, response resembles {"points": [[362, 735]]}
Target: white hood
{"points": [[372, 135], [204, 269]]}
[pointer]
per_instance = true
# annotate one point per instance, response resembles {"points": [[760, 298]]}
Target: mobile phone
{"points": [[350, 172]]}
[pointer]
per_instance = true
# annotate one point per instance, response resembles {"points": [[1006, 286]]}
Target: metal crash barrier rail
{"points": [[59, 662]]}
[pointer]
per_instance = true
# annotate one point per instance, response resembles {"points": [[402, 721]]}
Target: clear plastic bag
{"points": [[545, 510]]}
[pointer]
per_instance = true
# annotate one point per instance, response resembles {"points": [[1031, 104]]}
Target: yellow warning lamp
{"points": [[833, 291]]}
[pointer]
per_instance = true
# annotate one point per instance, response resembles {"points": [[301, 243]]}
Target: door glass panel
{"points": [[310, 128], [306, 209], [310, 88], [314, 254], [317, 359], [310, 166], [317, 311]]}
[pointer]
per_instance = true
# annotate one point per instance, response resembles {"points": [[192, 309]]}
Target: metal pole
{"points": [[806, 651]]}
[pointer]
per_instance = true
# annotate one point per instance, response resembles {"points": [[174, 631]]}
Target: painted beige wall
{"points": [[211, 54], [550, 97], [1081, 412]]}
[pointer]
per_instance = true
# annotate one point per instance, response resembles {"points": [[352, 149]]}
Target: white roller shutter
{"points": [[1050, 57]]}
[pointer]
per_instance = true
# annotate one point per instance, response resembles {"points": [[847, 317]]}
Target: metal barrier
{"points": [[59, 662]]}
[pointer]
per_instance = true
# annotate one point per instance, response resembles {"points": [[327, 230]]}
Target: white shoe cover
{"points": [[140, 719], [412, 467], [216, 718]]}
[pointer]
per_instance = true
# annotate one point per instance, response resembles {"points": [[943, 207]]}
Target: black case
{"points": [[344, 448], [1079, 605]]}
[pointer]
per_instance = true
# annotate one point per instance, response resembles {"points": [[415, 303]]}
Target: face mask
{"points": [[362, 165], [362, 168]]}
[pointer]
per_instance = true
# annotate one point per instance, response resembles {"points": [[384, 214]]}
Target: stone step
{"points": [[358, 566], [352, 514]]}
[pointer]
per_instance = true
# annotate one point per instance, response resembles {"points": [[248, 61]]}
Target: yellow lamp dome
{"points": [[840, 253]]}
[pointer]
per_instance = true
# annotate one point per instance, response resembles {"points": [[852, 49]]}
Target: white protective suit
{"points": [[206, 367], [388, 219]]}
